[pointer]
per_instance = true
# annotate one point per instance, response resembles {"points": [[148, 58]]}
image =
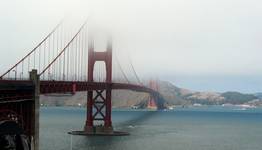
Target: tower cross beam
{"points": [[105, 105]]}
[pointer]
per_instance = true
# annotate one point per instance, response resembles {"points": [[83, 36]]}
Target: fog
{"points": [[207, 45]]}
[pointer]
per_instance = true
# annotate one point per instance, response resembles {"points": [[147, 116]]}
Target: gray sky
{"points": [[207, 45]]}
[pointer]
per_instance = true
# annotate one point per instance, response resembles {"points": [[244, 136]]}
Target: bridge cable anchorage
{"points": [[32, 51], [61, 52]]}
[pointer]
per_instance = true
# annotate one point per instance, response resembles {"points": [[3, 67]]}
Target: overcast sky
{"points": [[207, 45]]}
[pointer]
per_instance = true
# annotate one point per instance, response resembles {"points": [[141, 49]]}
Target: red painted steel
{"points": [[101, 103], [47, 87], [19, 99], [16, 103], [152, 100]]}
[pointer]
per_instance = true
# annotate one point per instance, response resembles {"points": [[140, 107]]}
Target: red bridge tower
{"points": [[153, 84], [99, 105]]}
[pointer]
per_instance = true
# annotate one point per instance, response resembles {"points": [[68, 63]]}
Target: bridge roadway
{"points": [[76, 86], [47, 87]]}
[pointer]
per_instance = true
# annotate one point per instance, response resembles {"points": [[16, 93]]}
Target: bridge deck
{"points": [[21, 89]]}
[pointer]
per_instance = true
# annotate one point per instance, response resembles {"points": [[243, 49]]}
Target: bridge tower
{"points": [[153, 84], [99, 101]]}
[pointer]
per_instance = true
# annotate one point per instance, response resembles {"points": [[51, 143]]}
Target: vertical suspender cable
{"points": [[67, 65], [60, 58], [79, 56], [53, 55], [28, 63], [57, 52], [15, 72], [67, 74], [63, 50], [39, 55], [48, 50], [76, 58], [44, 59], [82, 53], [34, 59], [28, 55], [22, 70], [73, 60], [64, 57]]}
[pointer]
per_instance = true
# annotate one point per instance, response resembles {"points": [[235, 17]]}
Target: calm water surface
{"points": [[201, 128]]}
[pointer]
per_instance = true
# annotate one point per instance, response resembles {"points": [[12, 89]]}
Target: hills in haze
{"points": [[172, 94]]}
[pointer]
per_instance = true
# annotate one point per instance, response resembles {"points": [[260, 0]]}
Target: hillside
{"points": [[259, 95], [172, 94]]}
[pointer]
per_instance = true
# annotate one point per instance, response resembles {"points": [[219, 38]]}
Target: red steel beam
{"points": [[76, 86]]}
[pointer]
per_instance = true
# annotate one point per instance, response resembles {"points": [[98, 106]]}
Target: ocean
{"points": [[194, 128]]}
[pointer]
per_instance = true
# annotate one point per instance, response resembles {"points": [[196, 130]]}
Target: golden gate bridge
{"points": [[68, 63]]}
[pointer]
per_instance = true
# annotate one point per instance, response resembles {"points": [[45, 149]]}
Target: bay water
{"points": [[195, 128]]}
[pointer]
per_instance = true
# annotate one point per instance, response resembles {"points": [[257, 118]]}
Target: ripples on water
{"points": [[203, 128]]}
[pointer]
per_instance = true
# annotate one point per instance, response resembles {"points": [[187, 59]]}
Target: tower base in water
{"points": [[99, 131]]}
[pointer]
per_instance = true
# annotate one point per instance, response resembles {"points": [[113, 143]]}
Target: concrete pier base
{"points": [[99, 131]]}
